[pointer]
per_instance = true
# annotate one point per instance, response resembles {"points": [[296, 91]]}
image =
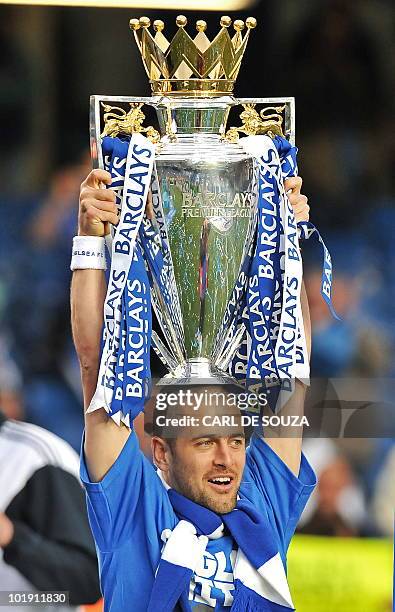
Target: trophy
{"points": [[204, 185]]}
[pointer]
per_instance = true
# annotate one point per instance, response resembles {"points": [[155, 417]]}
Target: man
{"points": [[45, 542], [134, 511]]}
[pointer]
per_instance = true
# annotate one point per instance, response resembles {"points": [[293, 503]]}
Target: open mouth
{"points": [[221, 484]]}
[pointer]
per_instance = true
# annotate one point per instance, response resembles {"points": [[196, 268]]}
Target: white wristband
{"points": [[109, 240], [88, 253]]}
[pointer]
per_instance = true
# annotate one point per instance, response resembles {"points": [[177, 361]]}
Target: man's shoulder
{"points": [[42, 447]]}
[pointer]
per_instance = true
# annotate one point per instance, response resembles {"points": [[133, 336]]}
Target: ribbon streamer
{"points": [[261, 340], [124, 366]]}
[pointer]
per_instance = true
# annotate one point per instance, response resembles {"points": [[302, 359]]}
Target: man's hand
{"points": [[149, 207], [297, 200], [6, 530], [97, 205]]}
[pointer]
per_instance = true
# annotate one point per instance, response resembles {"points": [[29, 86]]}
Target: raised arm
{"points": [[104, 439], [287, 441]]}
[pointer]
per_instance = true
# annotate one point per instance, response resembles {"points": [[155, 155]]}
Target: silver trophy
{"points": [[205, 186]]}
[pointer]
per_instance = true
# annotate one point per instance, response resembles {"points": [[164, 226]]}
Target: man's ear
{"points": [[161, 453]]}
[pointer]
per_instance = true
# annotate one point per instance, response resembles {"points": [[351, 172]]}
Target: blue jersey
{"points": [[131, 519]]}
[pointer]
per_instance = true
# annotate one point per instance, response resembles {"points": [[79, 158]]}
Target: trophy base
{"points": [[198, 371]]}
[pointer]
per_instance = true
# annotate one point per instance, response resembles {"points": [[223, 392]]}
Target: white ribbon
{"points": [[138, 173], [291, 347]]}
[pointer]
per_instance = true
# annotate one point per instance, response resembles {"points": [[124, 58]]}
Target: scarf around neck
{"points": [[259, 575]]}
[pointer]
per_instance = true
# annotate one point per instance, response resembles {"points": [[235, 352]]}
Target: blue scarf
{"points": [[259, 575]]}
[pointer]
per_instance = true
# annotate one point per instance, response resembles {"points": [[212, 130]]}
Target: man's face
{"points": [[208, 470]]}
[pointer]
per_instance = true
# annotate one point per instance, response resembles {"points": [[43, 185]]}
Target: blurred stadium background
{"points": [[337, 58]]}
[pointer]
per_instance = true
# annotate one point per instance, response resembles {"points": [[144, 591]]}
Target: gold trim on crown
{"points": [[192, 66]]}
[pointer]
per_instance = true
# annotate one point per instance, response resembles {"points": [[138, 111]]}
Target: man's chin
{"points": [[219, 505]]}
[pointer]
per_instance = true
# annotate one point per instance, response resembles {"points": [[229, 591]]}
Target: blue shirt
{"points": [[131, 519]]}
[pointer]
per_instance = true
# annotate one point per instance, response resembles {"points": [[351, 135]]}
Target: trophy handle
{"points": [[94, 133], [280, 121], [282, 117], [105, 119]]}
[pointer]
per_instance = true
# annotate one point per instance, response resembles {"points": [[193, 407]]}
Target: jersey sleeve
{"points": [[271, 486], [116, 503], [52, 545]]}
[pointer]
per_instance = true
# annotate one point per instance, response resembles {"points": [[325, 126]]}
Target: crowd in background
{"points": [[333, 61]]}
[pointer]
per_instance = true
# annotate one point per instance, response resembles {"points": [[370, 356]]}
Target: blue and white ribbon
{"points": [[307, 230], [124, 368], [273, 352], [264, 344], [278, 276]]}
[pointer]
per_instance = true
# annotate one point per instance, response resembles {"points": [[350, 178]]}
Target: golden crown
{"points": [[192, 66]]}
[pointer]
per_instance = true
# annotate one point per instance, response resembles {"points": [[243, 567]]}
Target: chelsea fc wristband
{"points": [[88, 253]]}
